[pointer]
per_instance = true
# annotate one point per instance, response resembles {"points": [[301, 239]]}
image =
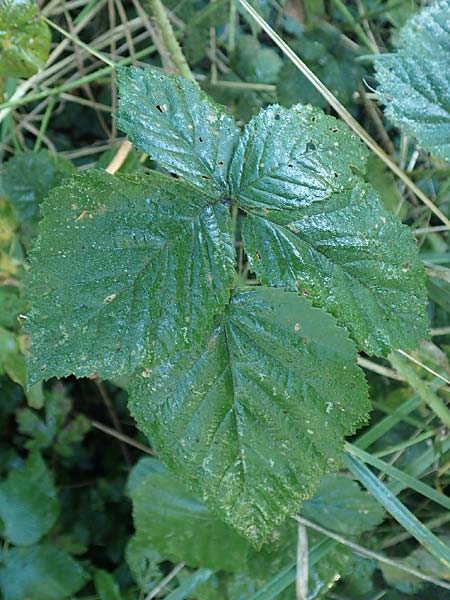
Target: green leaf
{"points": [[24, 38], [105, 586], [126, 267], [341, 506], [414, 81], [421, 561], [327, 53], [178, 125], [312, 224], [27, 178], [171, 520], [254, 62], [143, 563], [258, 412], [40, 572], [28, 503]]}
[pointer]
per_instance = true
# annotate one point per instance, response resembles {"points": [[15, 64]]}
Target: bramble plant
{"points": [[246, 391], [204, 292]]}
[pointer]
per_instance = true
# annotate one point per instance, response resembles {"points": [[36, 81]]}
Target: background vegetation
{"points": [[86, 509]]}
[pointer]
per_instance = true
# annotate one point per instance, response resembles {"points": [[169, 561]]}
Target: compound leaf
{"points": [[414, 81], [178, 125], [312, 224], [258, 413], [40, 572], [24, 38], [125, 267], [172, 520]]}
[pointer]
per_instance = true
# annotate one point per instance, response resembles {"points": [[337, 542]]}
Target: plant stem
{"points": [[433, 401], [74, 84], [359, 31], [370, 554], [170, 40]]}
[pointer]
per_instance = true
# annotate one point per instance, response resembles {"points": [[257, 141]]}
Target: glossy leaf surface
{"points": [[258, 412], [178, 125], [125, 268], [312, 224], [414, 80]]}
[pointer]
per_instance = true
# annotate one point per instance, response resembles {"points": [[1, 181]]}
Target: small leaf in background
{"points": [[414, 80], [251, 62], [27, 178], [172, 521], [258, 412], [312, 224], [330, 57], [178, 125], [161, 262], [254, 62], [40, 572], [341, 506], [28, 503], [421, 561], [24, 38], [11, 305], [105, 586], [143, 561], [198, 24], [55, 429], [383, 181]]}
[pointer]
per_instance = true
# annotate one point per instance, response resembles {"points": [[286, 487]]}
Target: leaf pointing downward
{"points": [[259, 411]]}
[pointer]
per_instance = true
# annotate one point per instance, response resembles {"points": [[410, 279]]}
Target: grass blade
{"points": [[395, 508]]}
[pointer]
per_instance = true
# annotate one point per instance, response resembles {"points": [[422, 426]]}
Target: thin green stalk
{"points": [[370, 554], [96, 75], [407, 480], [403, 445], [232, 26], [44, 123], [80, 43], [343, 112], [273, 588], [170, 40], [410, 376], [359, 31]]}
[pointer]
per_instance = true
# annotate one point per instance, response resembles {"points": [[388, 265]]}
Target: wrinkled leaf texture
{"points": [[247, 400], [415, 80]]}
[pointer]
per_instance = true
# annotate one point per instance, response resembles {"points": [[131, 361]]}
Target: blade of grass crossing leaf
{"points": [[386, 424], [190, 584], [273, 588], [403, 477], [397, 510], [374, 555], [403, 445], [421, 387], [343, 112], [421, 464]]}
